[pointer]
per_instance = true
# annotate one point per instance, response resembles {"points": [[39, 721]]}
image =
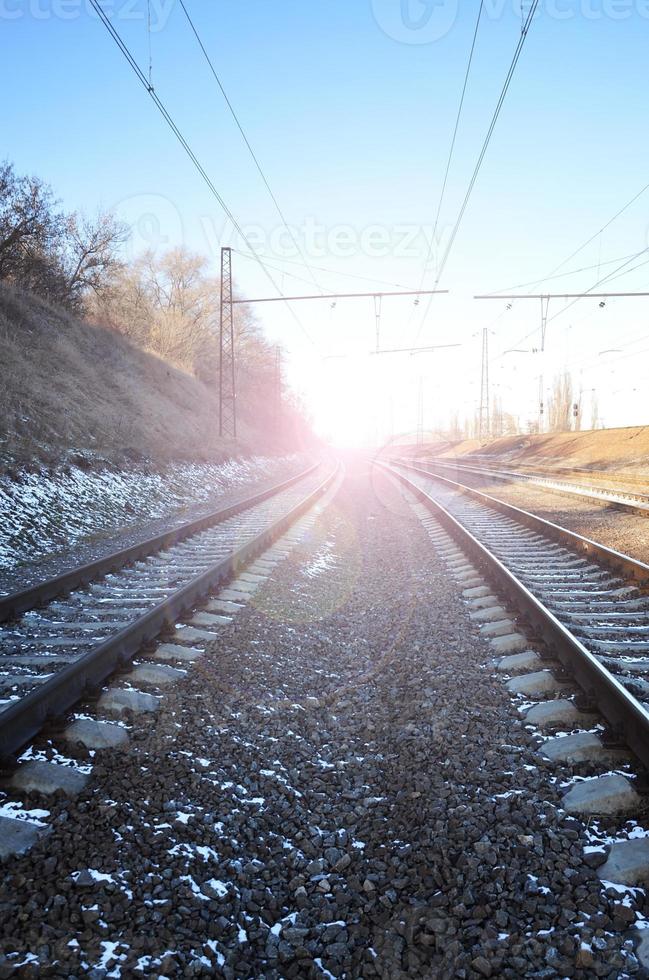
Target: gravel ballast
{"points": [[616, 528], [48, 542], [340, 787]]}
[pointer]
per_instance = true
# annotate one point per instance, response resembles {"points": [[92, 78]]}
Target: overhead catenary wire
{"points": [[604, 279], [375, 294], [142, 78], [331, 272], [592, 238], [451, 151], [576, 252], [563, 275], [609, 277], [485, 145], [492, 125], [148, 32], [247, 142]]}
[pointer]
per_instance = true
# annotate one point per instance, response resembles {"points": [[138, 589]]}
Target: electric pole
{"points": [[484, 427], [277, 388], [227, 389], [420, 412]]}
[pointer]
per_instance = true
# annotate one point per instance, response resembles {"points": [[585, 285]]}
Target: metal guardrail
{"points": [[625, 715], [23, 719]]}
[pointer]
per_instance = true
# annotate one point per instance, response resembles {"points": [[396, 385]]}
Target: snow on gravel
{"points": [[45, 514], [432, 842]]}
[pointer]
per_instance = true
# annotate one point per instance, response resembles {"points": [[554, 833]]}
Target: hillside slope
{"points": [[624, 450], [70, 390]]}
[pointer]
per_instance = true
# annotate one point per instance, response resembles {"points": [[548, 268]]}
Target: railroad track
{"points": [[628, 500], [587, 603], [62, 639]]}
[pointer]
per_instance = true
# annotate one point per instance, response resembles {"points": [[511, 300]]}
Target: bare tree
{"points": [[169, 305], [511, 425], [560, 403], [31, 230], [594, 410], [91, 248], [497, 417], [61, 257], [455, 430]]}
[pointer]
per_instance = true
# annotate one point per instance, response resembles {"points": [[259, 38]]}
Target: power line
{"points": [[247, 141], [592, 238], [412, 350], [519, 47], [607, 278], [453, 141], [563, 275], [494, 119], [331, 272], [559, 296], [604, 279], [588, 292], [375, 294], [121, 44]]}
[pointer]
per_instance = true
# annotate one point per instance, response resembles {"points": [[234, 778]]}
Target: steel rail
{"points": [[18, 602], [631, 568], [625, 715], [22, 720], [635, 502]]}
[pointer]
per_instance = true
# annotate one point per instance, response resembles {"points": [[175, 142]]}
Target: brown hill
{"points": [[69, 389]]}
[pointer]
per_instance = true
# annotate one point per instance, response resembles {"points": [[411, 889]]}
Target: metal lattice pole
{"points": [[420, 412], [278, 387], [227, 389], [485, 425]]}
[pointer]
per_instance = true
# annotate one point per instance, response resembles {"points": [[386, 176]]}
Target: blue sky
{"points": [[350, 108]]}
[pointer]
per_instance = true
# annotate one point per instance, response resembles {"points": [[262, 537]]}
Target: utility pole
{"points": [[377, 319], [420, 412], [227, 389], [484, 427], [545, 301], [277, 388]]}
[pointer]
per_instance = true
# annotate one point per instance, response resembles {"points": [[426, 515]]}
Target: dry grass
{"points": [[70, 386], [624, 451]]}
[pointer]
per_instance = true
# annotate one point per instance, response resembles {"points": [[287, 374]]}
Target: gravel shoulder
{"points": [[340, 788], [110, 539]]}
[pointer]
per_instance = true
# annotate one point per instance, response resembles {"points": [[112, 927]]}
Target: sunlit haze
{"points": [[352, 128]]}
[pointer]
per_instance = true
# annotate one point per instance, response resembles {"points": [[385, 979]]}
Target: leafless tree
{"points": [[560, 403], [91, 248], [511, 425], [169, 304], [594, 410], [61, 257], [497, 421], [31, 228]]}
